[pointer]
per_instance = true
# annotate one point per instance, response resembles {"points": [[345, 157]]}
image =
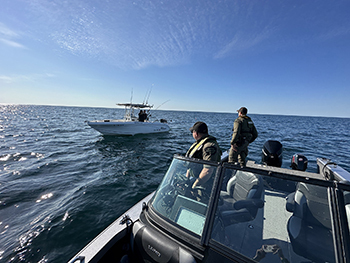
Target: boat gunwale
{"points": [[106, 239]]}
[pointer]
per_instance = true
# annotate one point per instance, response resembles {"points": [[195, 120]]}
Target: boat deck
{"points": [[268, 228]]}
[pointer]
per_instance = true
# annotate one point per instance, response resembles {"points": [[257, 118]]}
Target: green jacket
{"points": [[243, 130], [205, 148]]}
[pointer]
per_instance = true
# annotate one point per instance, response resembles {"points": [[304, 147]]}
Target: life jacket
{"points": [[248, 131], [195, 150], [252, 130]]}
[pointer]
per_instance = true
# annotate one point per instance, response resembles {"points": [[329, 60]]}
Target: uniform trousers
{"points": [[239, 155]]}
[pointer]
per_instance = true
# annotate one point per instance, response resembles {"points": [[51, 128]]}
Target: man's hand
{"points": [[234, 147], [203, 177]]}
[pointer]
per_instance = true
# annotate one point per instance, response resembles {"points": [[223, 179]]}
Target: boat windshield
{"points": [[181, 198], [264, 214]]}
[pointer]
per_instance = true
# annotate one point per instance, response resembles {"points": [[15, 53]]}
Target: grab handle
{"points": [[80, 258]]}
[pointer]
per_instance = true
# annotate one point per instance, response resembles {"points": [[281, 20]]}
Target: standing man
{"points": [[244, 133], [142, 115], [205, 148]]}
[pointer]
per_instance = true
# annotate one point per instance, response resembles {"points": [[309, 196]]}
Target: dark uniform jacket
{"points": [[205, 148], [243, 130]]}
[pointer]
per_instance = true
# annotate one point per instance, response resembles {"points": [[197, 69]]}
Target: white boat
{"points": [[256, 213], [130, 124]]}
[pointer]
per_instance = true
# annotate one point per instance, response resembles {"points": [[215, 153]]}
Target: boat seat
{"points": [[310, 223], [242, 198]]}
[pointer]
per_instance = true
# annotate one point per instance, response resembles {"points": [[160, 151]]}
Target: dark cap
{"points": [[243, 110], [200, 127]]}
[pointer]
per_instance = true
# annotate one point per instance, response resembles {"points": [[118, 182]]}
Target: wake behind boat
{"points": [[131, 124]]}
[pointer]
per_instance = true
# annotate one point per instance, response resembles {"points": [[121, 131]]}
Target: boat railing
{"points": [[332, 171]]}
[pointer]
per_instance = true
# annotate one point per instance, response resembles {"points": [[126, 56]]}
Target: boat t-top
{"points": [[131, 124]]}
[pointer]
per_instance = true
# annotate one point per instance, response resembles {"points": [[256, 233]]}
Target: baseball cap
{"points": [[200, 127], [243, 110]]}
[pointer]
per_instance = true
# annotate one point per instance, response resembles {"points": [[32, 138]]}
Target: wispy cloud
{"points": [[11, 43], [7, 35], [5, 31], [242, 42], [8, 79], [335, 33], [138, 34], [124, 33]]}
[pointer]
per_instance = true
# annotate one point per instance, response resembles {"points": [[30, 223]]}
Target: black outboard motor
{"points": [[272, 153], [299, 162]]}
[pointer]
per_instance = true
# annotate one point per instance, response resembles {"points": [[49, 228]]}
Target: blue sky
{"points": [[274, 57]]}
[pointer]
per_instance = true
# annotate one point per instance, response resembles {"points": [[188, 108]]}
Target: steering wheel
{"points": [[200, 193], [181, 184]]}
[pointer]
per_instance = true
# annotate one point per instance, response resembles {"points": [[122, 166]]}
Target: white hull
{"points": [[122, 127]]}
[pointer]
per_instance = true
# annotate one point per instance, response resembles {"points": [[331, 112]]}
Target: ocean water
{"points": [[61, 182]]}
